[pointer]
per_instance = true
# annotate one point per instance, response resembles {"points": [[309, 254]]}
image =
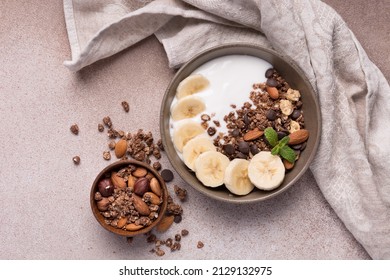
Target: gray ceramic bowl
{"points": [[297, 80]]}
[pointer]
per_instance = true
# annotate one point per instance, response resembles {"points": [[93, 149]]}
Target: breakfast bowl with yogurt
{"points": [[240, 123]]}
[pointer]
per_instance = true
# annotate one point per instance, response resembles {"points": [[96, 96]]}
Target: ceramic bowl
{"points": [[297, 80], [106, 173]]}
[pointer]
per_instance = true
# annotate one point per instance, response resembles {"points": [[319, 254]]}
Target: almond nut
{"points": [[130, 182], [253, 134], [140, 172], [288, 165], [298, 137], [140, 205], [118, 182], [120, 148], [122, 222], [155, 186], [133, 227], [273, 92], [154, 199], [165, 223]]}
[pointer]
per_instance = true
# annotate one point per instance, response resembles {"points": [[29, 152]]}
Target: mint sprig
{"points": [[280, 147]]}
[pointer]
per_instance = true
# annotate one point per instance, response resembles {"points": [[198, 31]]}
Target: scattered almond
{"points": [[288, 165], [298, 137], [152, 198], [140, 172], [133, 227], [273, 92], [155, 186], [253, 134], [122, 222], [118, 182], [165, 223], [120, 148], [140, 205], [131, 182]]}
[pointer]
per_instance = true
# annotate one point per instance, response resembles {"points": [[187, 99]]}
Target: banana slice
{"points": [[266, 171], [187, 107], [190, 85], [194, 148], [210, 168], [236, 177], [185, 132]]}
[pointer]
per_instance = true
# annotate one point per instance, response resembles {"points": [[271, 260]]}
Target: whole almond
{"points": [[288, 165], [273, 92], [140, 205], [133, 227], [122, 222], [130, 182], [155, 186], [152, 198], [298, 137], [118, 182], [140, 172], [120, 148], [165, 223], [253, 134]]}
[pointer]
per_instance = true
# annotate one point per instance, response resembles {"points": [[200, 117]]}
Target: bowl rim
{"points": [[112, 167], [283, 57]]}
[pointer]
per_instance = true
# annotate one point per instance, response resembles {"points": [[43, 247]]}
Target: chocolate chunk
{"points": [[254, 149], [271, 115], [243, 147], [236, 133], [167, 175], [269, 72], [281, 134], [295, 114], [247, 121], [272, 82], [177, 219], [241, 155], [228, 149]]}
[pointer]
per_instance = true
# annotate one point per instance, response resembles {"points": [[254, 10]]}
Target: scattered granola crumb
{"points": [[160, 252], [74, 129], [112, 144], [180, 192], [157, 165], [184, 232], [76, 160], [107, 121], [125, 106], [200, 245], [100, 127], [107, 155]]}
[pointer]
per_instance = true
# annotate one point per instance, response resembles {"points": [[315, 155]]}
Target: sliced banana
{"points": [[187, 107], [266, 171], [194, 148], [190, 85], [185, 132], [210, 168], [236, 177]]}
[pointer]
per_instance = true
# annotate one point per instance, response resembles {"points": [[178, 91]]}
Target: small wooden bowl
{"points": [[115, 167]]}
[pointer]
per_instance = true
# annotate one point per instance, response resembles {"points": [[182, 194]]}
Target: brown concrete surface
{"points": [[45, 211]]}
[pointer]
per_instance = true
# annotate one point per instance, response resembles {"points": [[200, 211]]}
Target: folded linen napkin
{"points": [[351, 166]]}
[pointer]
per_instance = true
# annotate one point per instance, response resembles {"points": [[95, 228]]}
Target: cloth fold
{"points": [[351, 163]]}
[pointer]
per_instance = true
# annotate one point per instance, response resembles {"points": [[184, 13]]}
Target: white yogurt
{"points": [[231, 78]]}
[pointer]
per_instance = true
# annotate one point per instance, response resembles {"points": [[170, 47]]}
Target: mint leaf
{"points": [[271, 136], [287, 153], [275, 150], [284, 141]]}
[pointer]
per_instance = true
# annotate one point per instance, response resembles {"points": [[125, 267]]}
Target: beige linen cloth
{"points": [[352, 166]]}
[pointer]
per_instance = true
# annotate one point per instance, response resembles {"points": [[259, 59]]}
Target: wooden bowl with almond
{"points": [[128, 198]]}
